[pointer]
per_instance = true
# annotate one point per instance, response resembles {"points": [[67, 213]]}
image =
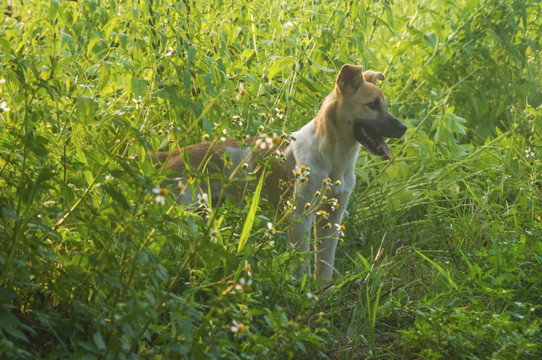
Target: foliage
{"points": [[500, 318], [442, 252]]}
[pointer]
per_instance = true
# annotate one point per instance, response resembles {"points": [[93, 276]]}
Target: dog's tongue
{"points": [[384, 147]]}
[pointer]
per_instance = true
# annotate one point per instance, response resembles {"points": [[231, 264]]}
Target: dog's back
{"points": [[230, 168]]}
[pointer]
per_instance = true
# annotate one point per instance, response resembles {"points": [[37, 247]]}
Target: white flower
{"points": [[214, 235], [170, 52], [225, 133], [138, 102], [243, 285], [160, 199], [288, 25], [202, 202], [302, 173], [269, 117], [271, 228], [248, 268], [241, 93], [238, 328], [334, 204], [340, 229], [265, 142], [322, 213], [280, 113], [237, 120], [160, 195], [529, 153], [203, 199], [289, 206], [4, 107]]}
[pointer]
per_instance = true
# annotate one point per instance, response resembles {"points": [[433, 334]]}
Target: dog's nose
{"points": [[399, 130]]}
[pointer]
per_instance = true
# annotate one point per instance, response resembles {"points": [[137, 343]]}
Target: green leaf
{"points": [[116, 195], [191, 55], [321, 67], [68, 40], [9, 324], [86, 108], [278, 66], [5, 46], [186, 81], [139, 87], [105, 71], [209, 83], [249, 222], [53, 8], [98, 341], [82, 158], [300, 346], [170, 93]]}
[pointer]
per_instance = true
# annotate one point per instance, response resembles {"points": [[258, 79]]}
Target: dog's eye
{"points": [[373, 105]]}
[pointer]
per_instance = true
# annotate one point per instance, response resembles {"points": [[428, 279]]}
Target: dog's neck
{"points": [[332, 139]]}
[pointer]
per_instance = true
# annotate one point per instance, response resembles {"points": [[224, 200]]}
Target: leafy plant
{"points": [[441, 253]]}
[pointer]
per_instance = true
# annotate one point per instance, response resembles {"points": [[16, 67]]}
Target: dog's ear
{"points": [[373, 76], [350, 76]]}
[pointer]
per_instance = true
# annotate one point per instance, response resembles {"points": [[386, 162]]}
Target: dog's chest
{"points": [[342, 163], [343, 180]]}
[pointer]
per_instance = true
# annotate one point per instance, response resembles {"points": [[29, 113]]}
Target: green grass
{"points": [[442, 253]]}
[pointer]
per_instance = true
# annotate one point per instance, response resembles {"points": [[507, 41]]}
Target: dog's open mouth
{"points": [[373, 142]]}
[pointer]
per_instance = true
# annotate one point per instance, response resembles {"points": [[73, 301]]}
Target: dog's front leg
{"points": [[300, 237], [326, 232], [302, 218]]}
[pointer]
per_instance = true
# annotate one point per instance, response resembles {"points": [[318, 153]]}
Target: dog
{"points": [[316, 165]]}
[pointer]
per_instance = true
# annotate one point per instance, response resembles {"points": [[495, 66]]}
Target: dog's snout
{"points": [[402, 128], [396, 128]]}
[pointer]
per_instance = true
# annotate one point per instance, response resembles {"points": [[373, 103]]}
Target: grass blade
{"points": [[251, 214], [443, 272]]}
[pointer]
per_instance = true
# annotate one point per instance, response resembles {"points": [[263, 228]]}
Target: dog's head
{"points": [[364, 111]]}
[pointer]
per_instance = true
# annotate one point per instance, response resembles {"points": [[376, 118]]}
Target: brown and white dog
{"points": [[354, 114]]}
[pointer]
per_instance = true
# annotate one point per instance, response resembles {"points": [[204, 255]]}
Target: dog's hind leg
{"points": [[300, 237]]}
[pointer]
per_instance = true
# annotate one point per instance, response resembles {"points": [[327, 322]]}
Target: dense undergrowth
{"points": [[442, 253]]}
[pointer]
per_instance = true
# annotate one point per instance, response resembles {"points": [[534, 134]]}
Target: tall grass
{"points": [[442, 253]]}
